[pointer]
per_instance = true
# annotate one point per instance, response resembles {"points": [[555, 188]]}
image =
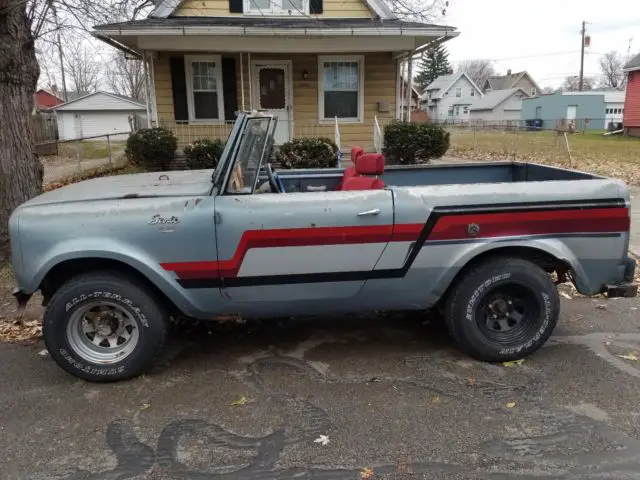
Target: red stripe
{"points": [[533, 223], [453, 227]]}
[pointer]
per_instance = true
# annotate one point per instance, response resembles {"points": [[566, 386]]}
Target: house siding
{"points": [[632, 102], [99, 101], [379, 86], [220, 8], [553, 109], [441, 111], [509, 110]]}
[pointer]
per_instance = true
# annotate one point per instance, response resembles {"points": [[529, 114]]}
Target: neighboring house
{"points": [[498, 106], [98, 113], [45, 101], [589, 110], [440, 96], [308, 62], [631, 121], [415, 98], [512, 80]]}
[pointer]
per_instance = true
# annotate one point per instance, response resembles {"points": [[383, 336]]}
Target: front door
{"points": [[300, 246], [272, 94]]}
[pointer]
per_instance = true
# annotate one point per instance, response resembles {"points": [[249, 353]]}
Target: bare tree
{"points": [[82, 68], [479, 70], [549, 90], [611, 66], [22, 22], [572, 83], [126, 76], [420, 10]]}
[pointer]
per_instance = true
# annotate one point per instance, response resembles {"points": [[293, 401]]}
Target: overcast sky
{"points": [[546, 32]]}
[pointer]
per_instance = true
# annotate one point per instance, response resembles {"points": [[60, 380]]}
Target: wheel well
{"points": [[549, 263], [65, 271]]}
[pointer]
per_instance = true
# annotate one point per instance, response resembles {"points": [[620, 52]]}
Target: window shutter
{"points": [[179, 89], [315, 6], [229, 88], [235, 6]]}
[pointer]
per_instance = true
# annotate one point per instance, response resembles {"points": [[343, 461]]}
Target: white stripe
{"points": [[310, 259]]}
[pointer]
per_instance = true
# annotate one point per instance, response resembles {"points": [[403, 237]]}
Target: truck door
{"points": [[300, 246]]}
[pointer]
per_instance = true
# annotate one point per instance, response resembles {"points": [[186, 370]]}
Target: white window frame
{"points": [[188, 70], [275, 9], [322, 59], [458, 92], [473, 92]]}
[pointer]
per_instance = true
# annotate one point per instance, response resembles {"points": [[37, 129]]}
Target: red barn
{"points": [[45, 101], [631, 119]]}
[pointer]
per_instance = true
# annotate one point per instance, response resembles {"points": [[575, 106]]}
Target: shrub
{"points": [[316, 152], [409, 143], [203, 153], [152, 148]]}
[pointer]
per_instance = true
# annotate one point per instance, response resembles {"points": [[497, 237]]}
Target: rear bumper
{"points": [[627, 288]]}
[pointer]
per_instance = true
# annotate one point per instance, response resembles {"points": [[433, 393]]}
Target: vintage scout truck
{"points": [[115, 258]]}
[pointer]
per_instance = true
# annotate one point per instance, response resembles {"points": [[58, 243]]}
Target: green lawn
{"points": [[90, 150]]}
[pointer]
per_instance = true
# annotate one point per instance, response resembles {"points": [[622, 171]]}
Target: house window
{"points": [[277, 7], [606, 111], [473, 92], [465, 110], [458, 92], [341, 88], [204, 87], [533, 92], [457, 111]]}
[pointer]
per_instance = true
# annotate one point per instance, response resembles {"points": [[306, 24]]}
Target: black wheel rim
{"points": [[509, 314]]}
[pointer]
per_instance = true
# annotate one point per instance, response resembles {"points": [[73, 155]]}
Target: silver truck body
{"points": [[309, 251]]}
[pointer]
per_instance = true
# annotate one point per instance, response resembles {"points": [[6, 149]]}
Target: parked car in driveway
{"points": [[116, 257]]}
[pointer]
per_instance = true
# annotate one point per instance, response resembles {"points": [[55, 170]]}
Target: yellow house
{"points": [[320, 66]]}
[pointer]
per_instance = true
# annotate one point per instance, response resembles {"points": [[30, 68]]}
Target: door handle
{"points": [[369, 213]]}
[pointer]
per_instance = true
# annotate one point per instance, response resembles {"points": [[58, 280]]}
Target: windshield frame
{"points": [[232, 159], [218, 175]]}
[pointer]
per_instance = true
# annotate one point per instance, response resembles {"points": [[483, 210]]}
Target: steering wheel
{"points": [[274, 180]]}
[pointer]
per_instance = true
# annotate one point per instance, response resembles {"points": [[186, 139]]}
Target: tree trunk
{"points": [[20, 169]]}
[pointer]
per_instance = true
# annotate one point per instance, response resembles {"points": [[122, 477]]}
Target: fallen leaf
{"points": [[145, 406], [241, 401], [566, 295], [601, 306], [436, 400], [513, 363], [43, 353], [322, 440], [471, 381], [366, 474], [510, 404], [607, 343], [631, 356]]}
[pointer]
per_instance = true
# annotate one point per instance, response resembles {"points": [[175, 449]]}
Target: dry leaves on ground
{"points": [[20, 331]]}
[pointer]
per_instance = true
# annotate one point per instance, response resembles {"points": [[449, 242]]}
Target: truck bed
{"points": [[428, 175]]}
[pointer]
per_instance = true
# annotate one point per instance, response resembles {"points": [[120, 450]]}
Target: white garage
{"points": [[98, 113]]}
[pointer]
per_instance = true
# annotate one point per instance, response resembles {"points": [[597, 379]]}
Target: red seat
{"points": [[351, 172], [368, 164]]}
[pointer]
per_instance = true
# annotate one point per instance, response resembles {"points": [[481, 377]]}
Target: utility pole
{"points": [[59, 43], [582, 34]]}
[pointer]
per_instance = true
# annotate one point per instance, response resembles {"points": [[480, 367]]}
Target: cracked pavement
{"points": [[389, 391]]}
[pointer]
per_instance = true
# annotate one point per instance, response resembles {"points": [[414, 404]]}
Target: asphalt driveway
{"points": [[389, 394]]}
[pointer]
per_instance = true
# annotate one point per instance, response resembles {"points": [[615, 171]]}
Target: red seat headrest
{"points": [[363, 183], [355, 153], [370, 164]]}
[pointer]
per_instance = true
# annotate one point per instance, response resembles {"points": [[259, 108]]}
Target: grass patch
{"points": [[90, 150], [611, 156]]}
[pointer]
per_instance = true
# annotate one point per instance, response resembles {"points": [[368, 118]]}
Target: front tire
{"points": [[104, 327], [502, 309]]}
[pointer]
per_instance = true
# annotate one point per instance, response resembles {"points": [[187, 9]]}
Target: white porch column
{"points": [[147, 87], [154, 104], [409, 85]]}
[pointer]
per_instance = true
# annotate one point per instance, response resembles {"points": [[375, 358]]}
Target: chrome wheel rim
{"points": [[102, 332]]}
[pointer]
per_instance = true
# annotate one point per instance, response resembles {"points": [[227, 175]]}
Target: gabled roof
{"points": [[165, 8], [633, 64], [444, 82], [492, 99], [75, 103], [50, 93], [504, 82]]}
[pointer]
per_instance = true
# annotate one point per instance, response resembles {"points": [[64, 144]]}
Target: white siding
{"points": [[72, 125], [508, 110], [441, 111], [100, 101]]}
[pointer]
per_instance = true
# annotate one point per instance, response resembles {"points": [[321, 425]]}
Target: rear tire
{"points": [[104, 327], [502, 309]]}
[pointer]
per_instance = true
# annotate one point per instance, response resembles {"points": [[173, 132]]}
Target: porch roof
{"points": [[138, 34]]}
